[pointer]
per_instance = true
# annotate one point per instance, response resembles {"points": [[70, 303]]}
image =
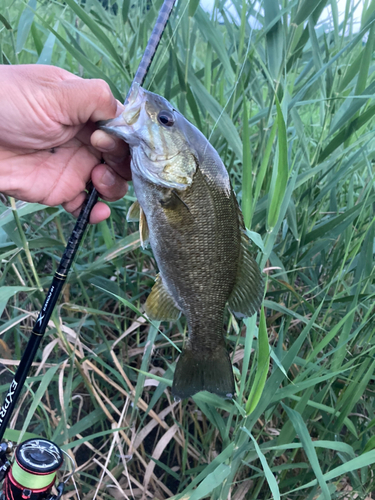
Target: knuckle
{"points": [[103, 91]]}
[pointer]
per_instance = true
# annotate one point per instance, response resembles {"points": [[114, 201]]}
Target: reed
{"points": [[287, 100]]}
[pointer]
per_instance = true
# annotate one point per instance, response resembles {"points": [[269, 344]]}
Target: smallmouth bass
{"points": [[189, 213]]}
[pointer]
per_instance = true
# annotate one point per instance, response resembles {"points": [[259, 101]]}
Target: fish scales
{"points": [[202, 251], [190, 215]]}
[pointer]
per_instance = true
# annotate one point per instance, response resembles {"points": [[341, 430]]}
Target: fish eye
{"points": [[166, 118]]}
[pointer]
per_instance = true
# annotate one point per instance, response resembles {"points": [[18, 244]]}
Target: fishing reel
{"points": [[32, 474]]}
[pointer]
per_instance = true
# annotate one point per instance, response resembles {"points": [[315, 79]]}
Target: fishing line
{"points": [[74, 241], [30, 479], [239, 75], [130, 305], [33, 472], [75, 488], [73, 466], [169, 44], [36, 463], [109, 454]]}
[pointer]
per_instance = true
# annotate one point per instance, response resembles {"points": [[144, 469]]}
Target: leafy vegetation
{"points": [[288, 102]]}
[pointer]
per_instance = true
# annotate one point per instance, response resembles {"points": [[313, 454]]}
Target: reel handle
{"points": [[5, 450]]}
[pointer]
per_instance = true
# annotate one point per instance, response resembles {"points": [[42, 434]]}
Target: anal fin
{"points": [[160, 305], [247, 293]]}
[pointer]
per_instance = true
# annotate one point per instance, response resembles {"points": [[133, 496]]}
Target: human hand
{"points": [[49, 145]]}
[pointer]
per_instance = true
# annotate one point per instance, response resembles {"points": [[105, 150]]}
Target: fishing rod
{"points": [[39, 458]]}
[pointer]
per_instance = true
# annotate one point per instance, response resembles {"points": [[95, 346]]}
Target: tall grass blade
{"points": [[262, 367], [280, 176], [268, 473], [302, 167], [274, 37], [247, 174], [364, 460], [24, 25], [305, 9], [46, 54], [307, 444]]}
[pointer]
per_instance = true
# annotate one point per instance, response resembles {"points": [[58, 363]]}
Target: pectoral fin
{"points": [[134, 212], [247, 293], [160, 305]]}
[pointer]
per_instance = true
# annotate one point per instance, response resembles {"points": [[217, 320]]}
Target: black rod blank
{"points": [[43, 318]]}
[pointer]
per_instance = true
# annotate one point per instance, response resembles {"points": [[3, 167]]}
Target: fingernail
{"points": [[107, 144], [108, 178]]}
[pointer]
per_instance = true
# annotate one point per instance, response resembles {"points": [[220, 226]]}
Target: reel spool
{"points": [[33, 472]]}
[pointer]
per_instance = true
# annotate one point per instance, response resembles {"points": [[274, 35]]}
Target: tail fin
{"points": [[194, 374]]}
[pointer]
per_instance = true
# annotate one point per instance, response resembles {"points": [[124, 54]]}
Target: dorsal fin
{"points": [[160, 305], [247, 294]]}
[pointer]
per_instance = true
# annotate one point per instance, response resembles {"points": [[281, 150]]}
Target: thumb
{"points": [[86, 100]]}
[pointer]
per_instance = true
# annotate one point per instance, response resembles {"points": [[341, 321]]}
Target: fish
{"points": [[190, 216]]}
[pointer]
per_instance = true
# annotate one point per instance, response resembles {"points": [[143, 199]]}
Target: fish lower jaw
{"points": [[123, 132]]}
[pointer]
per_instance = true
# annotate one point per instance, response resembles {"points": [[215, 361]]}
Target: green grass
{"points": [[290, 109]]}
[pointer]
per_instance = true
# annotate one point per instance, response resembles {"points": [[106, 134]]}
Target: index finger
{"points": [[115, 152]]}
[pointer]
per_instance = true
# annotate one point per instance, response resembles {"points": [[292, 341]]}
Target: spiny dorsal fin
{"points": [[160, 305], [247, 294], [134, 212]]}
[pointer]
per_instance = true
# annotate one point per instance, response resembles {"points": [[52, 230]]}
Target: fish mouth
{"points": [[133, 104], [116, 126], [121, 126]]}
